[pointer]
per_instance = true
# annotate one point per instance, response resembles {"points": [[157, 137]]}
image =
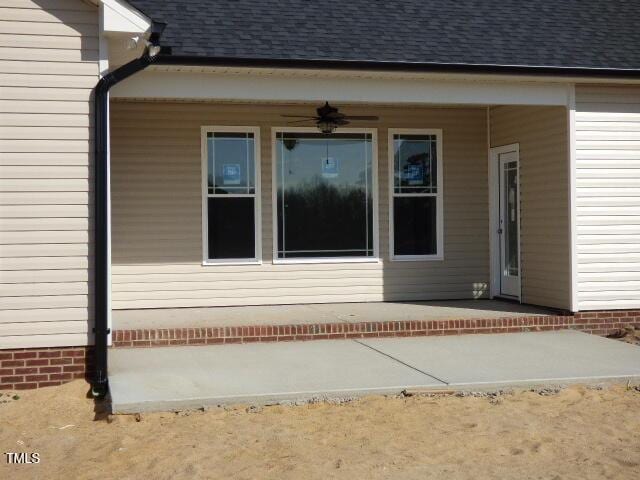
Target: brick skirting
{"points": [[27, 368], [599, 323]]}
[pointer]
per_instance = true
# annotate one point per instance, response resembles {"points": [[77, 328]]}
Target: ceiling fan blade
{"points": [[310, 117], [361, 117], [308, 120]]}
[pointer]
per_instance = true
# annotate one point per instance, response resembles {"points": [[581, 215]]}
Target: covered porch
{"points": [[446, 245]]}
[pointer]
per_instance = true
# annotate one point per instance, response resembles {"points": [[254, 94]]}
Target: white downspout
{"points": [[573, 237]]}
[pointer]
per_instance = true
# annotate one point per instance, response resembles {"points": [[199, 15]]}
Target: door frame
{"points": [[494, 204]]}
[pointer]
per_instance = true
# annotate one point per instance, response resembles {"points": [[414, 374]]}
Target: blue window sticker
{"points": [[414, 174], [329, 167], [231, 174]]}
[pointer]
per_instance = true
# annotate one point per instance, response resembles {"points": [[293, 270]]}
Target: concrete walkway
{"points": [[176, 378]]}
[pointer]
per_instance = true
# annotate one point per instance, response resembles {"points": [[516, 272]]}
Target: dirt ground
{"points": [[574, 433]]}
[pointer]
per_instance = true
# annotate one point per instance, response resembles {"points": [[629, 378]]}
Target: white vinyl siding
{"points": [[48, 67], [608, 197], [541, 133], [157, 235]]}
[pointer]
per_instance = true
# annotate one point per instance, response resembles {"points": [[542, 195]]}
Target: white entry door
{"points": [[509, 223]]}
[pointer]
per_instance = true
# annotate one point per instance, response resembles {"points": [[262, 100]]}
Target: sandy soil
{"points": [[577, 433], [629, 335]]}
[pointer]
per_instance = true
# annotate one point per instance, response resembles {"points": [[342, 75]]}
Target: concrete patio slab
{"points": [[436, 310], [515, 357], [177, 378], [191, 377], [319, 313]]}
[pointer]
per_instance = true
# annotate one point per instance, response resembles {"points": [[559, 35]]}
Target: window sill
{"points": [[230, 262], [418, 258], [282, 261]]}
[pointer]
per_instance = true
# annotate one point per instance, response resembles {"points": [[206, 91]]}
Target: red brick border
{"points": [[600, 323], [26, 368]]}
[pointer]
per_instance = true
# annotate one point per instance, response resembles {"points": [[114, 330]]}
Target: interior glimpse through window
{"points": [[231, 196], [324, 195], [415, 195]]}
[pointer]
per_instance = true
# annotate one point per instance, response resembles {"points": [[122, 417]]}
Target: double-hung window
{"points": [[416, 223], [231, 183]]}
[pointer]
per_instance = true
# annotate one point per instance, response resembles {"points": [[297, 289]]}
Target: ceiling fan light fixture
{"points": [[327, 126]]}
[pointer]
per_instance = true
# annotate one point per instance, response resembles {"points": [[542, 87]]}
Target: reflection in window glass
{"points": [[415, 164], [510, 184], [231, 163], [231, 231], [415, 192], [414, 225], [324, 195], [231, 218]]}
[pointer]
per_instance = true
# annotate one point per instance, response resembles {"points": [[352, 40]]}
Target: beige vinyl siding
{"points": [[156, 200], [48, 67], [544, 236], [608, 196]]}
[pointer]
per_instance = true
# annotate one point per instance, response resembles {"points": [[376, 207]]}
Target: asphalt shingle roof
{"points": [[550, 33]]}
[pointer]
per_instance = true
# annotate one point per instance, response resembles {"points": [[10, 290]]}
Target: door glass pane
{"points": [[414, 225], [510, 217], [325, 195]]}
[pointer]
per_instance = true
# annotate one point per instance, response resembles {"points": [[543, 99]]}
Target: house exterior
{"points": [[157, 155]]}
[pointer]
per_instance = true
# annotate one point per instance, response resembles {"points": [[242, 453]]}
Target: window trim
{"points": [[257, 259], [439, 255], [374, 185]]}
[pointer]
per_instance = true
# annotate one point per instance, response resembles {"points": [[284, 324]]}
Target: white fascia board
{"points": [[255, 87], [118, 16]]}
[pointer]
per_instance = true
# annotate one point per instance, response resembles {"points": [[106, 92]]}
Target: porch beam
{"points": [[257, 86]]}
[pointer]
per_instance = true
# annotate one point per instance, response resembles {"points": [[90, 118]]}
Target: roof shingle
{"points": [[548, 33]]}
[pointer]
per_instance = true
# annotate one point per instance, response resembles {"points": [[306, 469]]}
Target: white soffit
{"points": [[120, 17], [274, 85]]}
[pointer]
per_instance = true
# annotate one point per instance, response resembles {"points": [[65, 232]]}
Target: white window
{"points": [[415, 213], [324, 195], [231, 195]]}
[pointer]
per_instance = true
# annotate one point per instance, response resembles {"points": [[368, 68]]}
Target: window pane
{"points": [[231, 163], [414, 225], [510, 184], [231, 227], [415, 164], [325, 195]]}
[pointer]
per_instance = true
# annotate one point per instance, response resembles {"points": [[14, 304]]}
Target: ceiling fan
{"points": [[328, 118]]}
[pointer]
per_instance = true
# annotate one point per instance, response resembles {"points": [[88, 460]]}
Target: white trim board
{"points": [[573, 236], [254, 86], [374, 180], [121, 17], [494, 239]]}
